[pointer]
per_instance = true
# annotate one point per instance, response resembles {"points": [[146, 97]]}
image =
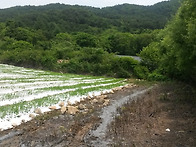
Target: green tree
{"points": [[177, 48], [86, 40], [122, 43]]}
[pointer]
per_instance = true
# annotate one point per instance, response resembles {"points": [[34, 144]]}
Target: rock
{"points": [[63, 109], [72, 110], [76, 102], [106, 102], [89, 97], [117, 89], [94, 101], [23, 121], [32, 115], [127, 86], [101, 101], [84, 113], [69, 103], [81, 100], [61, 104], [52, 107], [112, 92], [38, 111], [167, 130], [102, 96], [81, 107], [89, 106], [14, 125]]}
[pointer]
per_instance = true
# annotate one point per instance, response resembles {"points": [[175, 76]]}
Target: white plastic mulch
{"points": [[20, 85]]}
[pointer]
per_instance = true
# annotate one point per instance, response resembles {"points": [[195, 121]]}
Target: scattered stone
{"points": [[112, 92], [167, 130], [86, 110], [102, 97], [63, 109], [88, 97], [23, 121], [81, 100], [69, 103], [94, 101], [106, 102], [77, 102], [32, 115], [101, 101], [52, 108], [89, 106], [14, 125], [84, 113], [81, 107], [181, 131], [61, 104], [72, 110], [38, 111], [127, 86]]}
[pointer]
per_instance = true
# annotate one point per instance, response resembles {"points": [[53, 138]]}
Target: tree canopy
{"points": [[175, 52]]}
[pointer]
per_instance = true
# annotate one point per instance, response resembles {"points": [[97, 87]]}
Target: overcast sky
{"points": [[94, 3]]}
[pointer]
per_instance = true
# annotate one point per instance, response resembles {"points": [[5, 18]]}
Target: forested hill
{"points": [[55, 18]]}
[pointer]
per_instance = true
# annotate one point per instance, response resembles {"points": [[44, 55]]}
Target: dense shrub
{"points": [[155, 76], [96, 61], [141, 72], [174, 55]]}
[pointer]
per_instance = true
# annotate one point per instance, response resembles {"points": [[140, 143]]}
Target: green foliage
{"points": [[29, 58], [175, 54], [86, 40], [179, 44], [156, 76], [122, 43], [151, 56], [55, 18], [81, 39], [98, 62], [141, 72]]}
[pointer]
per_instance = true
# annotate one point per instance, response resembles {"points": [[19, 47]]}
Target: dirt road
{"points": [[134, 116]]}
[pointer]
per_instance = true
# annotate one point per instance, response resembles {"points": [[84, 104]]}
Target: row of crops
{"points": [[23, 90]]}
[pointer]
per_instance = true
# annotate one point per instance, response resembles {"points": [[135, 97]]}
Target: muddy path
{"points": [[132, 116], [107, 115], [81, 129]]}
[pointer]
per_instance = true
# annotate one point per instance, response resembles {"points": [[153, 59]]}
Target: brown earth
{"points": [[141, 122]]}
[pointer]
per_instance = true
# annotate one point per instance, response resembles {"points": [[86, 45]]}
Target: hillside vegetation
{"points": [[174, 53], [55, 18], [80, 39]]}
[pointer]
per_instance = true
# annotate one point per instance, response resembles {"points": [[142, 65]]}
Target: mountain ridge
{"points": [[74, 18]]}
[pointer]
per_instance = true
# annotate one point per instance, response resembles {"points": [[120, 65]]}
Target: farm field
{"points": [[23, 90]]}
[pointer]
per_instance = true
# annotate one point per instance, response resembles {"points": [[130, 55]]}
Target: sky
{"points": [[94, 3]]}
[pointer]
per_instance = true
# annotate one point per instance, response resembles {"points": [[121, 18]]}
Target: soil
{"points": [[158, 116]]}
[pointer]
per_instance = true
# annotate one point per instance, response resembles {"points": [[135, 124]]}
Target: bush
{"points": [[155, 76], [141, 71]]}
